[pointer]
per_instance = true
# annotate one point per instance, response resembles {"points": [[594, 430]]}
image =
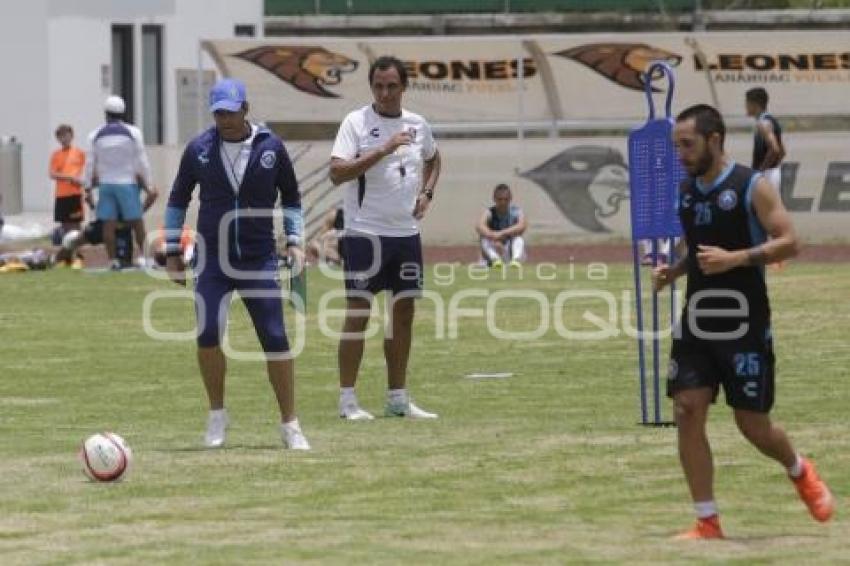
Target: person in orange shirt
{"points": [[66, 168]]}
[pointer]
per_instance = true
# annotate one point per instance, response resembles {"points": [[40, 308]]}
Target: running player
{"points": [[727, 211]]}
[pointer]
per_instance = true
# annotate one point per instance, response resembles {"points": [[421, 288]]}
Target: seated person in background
{"points": [[661, 255], [93, 234], [501, 227], [326, 244], [24, 260]]}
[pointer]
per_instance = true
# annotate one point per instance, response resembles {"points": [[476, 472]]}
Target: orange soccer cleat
{"points": [[705, 529], [814, 493]]}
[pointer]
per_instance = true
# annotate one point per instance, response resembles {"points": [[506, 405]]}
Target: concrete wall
{"points": [[24, 98], [584, 194]]}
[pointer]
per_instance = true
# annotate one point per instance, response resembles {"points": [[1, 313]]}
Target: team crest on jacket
{"points": [[727, 199], [361, 281], [268, 159]]}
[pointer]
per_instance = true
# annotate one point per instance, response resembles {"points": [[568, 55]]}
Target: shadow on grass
{"points": [[229, 448], [786, 537]]}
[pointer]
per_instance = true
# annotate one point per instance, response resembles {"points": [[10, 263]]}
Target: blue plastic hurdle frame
{"points": [[654, 176]]}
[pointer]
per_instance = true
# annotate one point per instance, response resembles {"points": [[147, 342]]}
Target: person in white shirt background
{"points": [[116, 164], [388, 163]]}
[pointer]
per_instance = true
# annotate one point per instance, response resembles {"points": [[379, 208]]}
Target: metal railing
{"points": [[354, 7]]}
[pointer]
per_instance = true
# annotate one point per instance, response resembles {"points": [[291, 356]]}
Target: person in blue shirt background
{"points": [[241, 169]]}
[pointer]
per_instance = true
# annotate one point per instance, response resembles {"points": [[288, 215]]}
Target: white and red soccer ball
{"points": [[105, 457]]}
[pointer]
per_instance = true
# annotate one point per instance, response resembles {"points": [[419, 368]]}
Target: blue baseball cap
{"points": [[227, 94]]}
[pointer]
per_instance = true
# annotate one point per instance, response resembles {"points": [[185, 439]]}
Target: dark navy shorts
{"points": [[744, 367], [213, 289], [376, 263]]}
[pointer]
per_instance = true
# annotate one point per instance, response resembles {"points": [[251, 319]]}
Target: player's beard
{"points": [[702, 165]]}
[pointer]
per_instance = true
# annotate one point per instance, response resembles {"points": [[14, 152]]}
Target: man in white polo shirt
{"points": [[388, 163]]}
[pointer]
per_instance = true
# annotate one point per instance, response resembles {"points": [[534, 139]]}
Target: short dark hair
{"points": [[64, 128], [708, 120], [385, 62], [499, 188], [757, 95]]}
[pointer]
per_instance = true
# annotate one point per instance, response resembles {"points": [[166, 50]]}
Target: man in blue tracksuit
{"points": [[241, 169]]}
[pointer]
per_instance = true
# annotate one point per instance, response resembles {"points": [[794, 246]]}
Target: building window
{"points": [[244, 30], [152, 83], [122, 66]]}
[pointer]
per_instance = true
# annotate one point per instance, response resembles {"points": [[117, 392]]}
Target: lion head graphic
{"points": [[623, 63], [586, 182], [307, 68]]}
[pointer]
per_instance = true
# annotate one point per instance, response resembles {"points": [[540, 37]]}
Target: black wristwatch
{"points": [[429, 193]]}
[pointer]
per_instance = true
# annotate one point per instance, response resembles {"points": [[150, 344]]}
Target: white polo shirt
{"points": [[116, 155], [381, 202]]}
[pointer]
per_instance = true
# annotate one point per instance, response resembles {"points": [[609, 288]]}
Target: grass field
{"points": [[547, 466]]}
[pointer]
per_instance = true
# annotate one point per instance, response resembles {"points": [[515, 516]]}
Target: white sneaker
{"points": [[217, 423], [351, 411], [408, 410], [292, 436]]}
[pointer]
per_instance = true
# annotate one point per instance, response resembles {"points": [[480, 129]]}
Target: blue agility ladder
{"points": [[654, 176]]}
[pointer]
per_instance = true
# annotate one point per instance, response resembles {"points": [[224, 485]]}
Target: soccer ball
{"points": [[105, 457]]}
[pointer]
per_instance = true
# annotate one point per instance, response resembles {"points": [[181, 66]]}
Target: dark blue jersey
{"points": [[499, 222], [760, 144], [722, 215]]}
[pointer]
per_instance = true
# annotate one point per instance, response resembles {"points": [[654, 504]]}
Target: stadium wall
{"points": [[543, 78], [574, 190]]}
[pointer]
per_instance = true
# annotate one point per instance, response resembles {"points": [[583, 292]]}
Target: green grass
{"points": [[544, 467]]}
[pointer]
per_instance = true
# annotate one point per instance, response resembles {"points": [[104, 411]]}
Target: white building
{"points": [[59, 59]]}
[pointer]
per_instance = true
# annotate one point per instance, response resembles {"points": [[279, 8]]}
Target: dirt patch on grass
{"points": [[608, 253]]}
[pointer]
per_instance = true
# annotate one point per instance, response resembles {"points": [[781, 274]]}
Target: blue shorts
{"points": [[213, 289], [118, 201], [376, 263]]}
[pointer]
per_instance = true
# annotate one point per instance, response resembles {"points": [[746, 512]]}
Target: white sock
{"points": [[346, 395], [292, 425], [517, 248], [705, 509], [796, 470], [397, 396], [218, 412]]}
